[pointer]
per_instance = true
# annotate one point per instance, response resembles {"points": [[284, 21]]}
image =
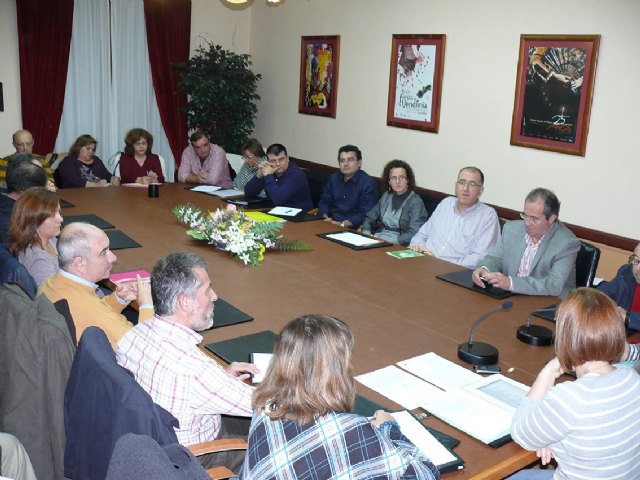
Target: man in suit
{"points": [[535, 255], [624, 289]]}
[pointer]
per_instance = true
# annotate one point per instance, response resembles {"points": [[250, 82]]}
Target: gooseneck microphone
{"points": [[480, 353], [536, 335]]}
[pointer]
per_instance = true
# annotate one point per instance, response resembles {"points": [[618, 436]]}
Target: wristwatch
{"points": [[342, 224], [627, 318]]}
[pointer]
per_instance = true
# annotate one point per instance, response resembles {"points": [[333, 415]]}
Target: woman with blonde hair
{"points": [[302, 414], [590, 425], [35, 223]]}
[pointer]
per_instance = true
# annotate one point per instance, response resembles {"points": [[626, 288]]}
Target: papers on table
{"points": [[206, 188], [483, 407], [415, 431], [439, 371], [399, 386], [353, 239], [286, 211], [230, 192], [262, 361], [263, 217]]}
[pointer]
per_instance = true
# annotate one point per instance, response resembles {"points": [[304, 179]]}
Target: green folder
{"points": [[226, 314]]}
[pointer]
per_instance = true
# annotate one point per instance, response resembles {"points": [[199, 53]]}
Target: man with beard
{"points": [[535, 255], [163, 355]]}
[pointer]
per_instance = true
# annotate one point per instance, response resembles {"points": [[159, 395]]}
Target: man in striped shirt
{"points": [[535, 255], [163, 355]]}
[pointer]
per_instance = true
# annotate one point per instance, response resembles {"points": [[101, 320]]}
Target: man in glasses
{"points": [[462, 229], [350, 193], [624, 289], [535, 255]]}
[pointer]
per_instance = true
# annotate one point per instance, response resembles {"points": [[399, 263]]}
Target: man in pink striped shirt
{"points": [[163, 355], [535, 255]]}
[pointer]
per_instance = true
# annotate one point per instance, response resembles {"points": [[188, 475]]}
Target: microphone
{"points": [[536, 335], [480, 353]]}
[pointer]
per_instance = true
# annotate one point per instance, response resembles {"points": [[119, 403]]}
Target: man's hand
{"points": [[544, 454], [475, 276], [327, 218], [417, 248], [144, 291], [266, 169], [380, 417], [242, 370], [497, 279], [127, 291]]}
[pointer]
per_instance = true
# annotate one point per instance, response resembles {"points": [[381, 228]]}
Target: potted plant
{"points": [[222, 96]]}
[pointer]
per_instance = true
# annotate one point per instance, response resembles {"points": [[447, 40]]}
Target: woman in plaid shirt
{"points": [[301, 425]]}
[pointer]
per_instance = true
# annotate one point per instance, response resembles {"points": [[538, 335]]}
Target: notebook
{"points": [[462, 278]]}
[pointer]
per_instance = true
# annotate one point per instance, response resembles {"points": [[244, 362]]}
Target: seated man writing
{"points": [[624, 289], [462, 229], [535, 255], [349, 193], [283, 181]]}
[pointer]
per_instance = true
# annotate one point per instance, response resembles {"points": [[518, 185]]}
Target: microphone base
{"points": [[535, 335], [478, 353]]}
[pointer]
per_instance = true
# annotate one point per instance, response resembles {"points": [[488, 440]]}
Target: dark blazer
{"points": [[103, 402], [621, 290], [36, 352], [553, 271]]}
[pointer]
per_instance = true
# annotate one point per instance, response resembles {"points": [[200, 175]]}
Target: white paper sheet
{"points": [[290, 212], [422, 438], [353, 239], [262, 361], [227, 193], [205, 188], [398, 386], [439, 371]]}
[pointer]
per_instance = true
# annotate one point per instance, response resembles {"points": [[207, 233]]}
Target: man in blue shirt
{"points": [[284, 182], [350, 193]]}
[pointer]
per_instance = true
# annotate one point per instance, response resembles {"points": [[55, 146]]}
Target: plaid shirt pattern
{"points": [[165, 360], [246, 173], [335, 446]]}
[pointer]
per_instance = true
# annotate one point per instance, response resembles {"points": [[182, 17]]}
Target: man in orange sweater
{"points": [[85, 258]]}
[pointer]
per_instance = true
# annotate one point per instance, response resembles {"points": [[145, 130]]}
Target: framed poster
{"points": [[415, 81], [319, 61], [554, 90]]}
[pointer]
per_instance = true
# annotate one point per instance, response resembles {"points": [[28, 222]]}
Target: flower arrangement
{"points": [[232, 231]]}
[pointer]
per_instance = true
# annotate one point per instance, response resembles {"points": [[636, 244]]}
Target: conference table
{"points": [[396, 309]]}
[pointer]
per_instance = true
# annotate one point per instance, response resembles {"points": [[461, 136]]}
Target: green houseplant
{"points": [[222, 96]]}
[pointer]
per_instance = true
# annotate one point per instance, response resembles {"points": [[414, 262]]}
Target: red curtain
{"points": [[168, 36], [44, 38]]}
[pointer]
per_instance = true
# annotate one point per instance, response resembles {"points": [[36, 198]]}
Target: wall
{"points": [[211, 21], [11, 118], [597, 191]]}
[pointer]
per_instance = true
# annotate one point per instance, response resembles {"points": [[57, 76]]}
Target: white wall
{"points": [[477, 101], [11, 118], [211, 21]]}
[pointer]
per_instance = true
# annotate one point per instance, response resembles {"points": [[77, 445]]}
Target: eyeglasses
{"points": [[633, 260], [347, 160], [529, 218], [141, 143], [248, 156], [472, 184], [400, 178]]}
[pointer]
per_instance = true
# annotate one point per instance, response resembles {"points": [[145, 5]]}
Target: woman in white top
{"points": [[35, 223], [591, 425]]}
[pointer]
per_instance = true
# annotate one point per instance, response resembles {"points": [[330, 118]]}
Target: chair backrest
{"points": [[235, 161], [103, 402], [317, 181], [430, 203], [140, 457], [586, 264]]}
